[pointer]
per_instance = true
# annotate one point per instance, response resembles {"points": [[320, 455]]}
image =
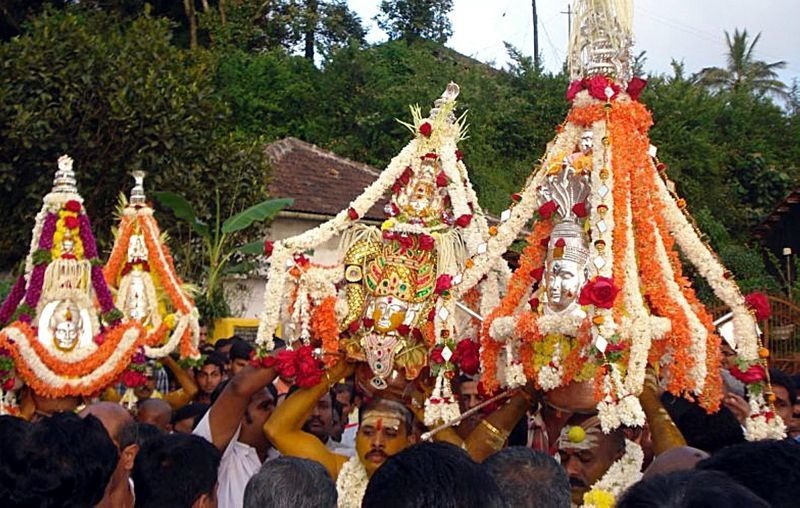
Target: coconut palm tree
{"points": [[743, 71]]}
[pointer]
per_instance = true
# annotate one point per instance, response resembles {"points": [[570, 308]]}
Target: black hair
{"points": [[145, 432], [780, 378], [346, 387], [391, 405], [689, 489], [215, 358], [174, 470], [191, 410], [707, 432], [221, 343], [63, 460], [769, 468], [430, 475], [240, 349], [291, 482], [529, 478]]}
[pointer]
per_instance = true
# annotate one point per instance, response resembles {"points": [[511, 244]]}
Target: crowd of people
{"points": [[233, 434]]}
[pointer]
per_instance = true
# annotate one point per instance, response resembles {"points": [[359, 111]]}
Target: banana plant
{"points": [[218, 242]]}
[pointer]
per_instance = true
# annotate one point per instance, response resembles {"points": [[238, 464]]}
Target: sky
{"points": [[687, 30]]}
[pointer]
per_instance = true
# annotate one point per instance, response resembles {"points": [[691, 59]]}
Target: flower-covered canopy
{"points": [[62, 329], [600, 292], [147, 289], [395, 311]]}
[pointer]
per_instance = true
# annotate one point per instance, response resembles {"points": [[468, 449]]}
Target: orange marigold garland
{"points": [[324, 327]]}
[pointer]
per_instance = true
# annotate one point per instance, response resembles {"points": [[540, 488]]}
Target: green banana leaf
{"points": [[266, 210], [254, 248], [182, 210]]}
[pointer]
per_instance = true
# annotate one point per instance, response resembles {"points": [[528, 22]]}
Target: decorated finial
{"points": [[449, 95], [601, 40], [137, 193], [64, 181]]}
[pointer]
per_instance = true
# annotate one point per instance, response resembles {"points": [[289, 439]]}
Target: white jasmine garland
{"points": [[549, 377], [502, 328], [558, 324], [351, 483], [623, 473], [711, 269], [182, 321], [757, 426], [514, 373]]}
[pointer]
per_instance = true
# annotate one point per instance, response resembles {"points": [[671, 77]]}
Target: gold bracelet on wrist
{"points": [[497, 438]]}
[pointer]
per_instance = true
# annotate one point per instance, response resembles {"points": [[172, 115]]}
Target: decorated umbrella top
{"points": [[63, 331], [148, 290]]}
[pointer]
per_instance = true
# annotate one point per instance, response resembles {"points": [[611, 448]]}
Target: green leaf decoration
{"points": [[266, 210], [182, 210]]}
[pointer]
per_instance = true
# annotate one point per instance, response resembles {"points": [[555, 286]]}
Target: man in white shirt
{"points": [[234, 425]]}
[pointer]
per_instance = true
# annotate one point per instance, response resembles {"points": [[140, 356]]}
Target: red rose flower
{"points": [[516, 197], [537, 273], [635, 87], [560, 242], [436, 355], [760, 304], [397, 187], [443, 283], [132, 379], [285, 364], [547, 209], [467, 357], [430, 155], [405, 241], [72, 206], [574, 87], [352, 213], [597, 87], [754, 374], [404, 330], [426, 242], [599, 292], [354, 326], [389, 235], [391, 210], [544, 241], [441, 179], [463, 220], [579, 209], [417, 334], [71, 222], [425, 129], [301, 260], [8, 385], [459, 155], [406, 176], [534, 303], [269, 246], [368, 322], [99, 339]]}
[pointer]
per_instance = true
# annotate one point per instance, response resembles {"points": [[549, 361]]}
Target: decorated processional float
{"points": [[63, 336], [600, 292], [389, 303], [147, 289]]}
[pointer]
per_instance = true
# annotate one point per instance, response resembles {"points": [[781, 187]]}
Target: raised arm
{"points": [[226, 414], [284, 427], [492, 432], [188, 388]]}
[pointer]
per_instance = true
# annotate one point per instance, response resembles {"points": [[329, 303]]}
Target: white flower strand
{"points": [[351, 483], [623, 473]]}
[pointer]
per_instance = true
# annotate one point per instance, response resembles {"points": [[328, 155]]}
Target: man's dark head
{"points": [[239, 354], [687, 489], [320, 423], [290, 482], [528, 478], [346, 396], [63, 460], [155, 412], [771, 469], [176, 471], [785, 394], [210, 374], [385, 428], [185, 419], [431, 475], [587, 453]]}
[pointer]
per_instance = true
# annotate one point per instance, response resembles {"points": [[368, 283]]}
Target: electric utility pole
{"points": [[568, 12], [535, 35]]}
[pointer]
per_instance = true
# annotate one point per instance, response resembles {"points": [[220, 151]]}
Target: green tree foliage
{"points": [[117, 96], [416, 19]]}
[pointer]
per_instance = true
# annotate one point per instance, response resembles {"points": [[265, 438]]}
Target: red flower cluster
{"points": [[537, 273], [579, 209], [600, 292], [426, 242], [547, 209], [754, 374], [425, 129], [262, 362], [441, 179], [72, 206], [463, 220], [269, 246], [352, 213], [71, 222], [760, 304], [443, 283], [467, 356], [132, 378], [596, 86], [299, 364], [436, 355]]}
